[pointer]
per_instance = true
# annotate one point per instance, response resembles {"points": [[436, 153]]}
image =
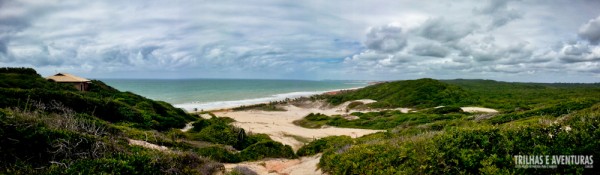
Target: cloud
{"points": [[302, 39], [442, 30], [579, 52], [3, 48], [387, 39], [487, 50], [499, 12], [591, 31], [431, 50]]}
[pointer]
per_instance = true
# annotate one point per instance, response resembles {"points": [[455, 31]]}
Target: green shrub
{"points": [[218, 153], [266, 149], [143, 162], [445, 110], [223, 134], [553, 110], [354, 104], [316, 117], [242, 170], [421, 93], [326, 143]]}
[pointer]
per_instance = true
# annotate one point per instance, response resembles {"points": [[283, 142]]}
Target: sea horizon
{"points": [[212, 94]]}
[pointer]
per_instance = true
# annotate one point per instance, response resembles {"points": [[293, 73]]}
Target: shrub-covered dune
{"points": [[52, 128], [533, 119]]}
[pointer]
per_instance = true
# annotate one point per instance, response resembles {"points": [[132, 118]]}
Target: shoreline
{"points": [[228, 105]]}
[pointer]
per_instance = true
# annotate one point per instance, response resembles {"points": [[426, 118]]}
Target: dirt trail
{"points": [[301, 166]]}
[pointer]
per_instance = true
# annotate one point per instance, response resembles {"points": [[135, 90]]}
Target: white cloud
{"points": [[379, 39]]}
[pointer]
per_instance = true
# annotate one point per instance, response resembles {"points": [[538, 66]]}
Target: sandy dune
{"points": [[278, 124]]}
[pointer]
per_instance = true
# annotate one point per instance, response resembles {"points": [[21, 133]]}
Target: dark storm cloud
{"points": [[591, 31]]}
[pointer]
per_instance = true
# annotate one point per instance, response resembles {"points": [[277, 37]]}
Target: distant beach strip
{"points": [[236, 103], [212, 94]]}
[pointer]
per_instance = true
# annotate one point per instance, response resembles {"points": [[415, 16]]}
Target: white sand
{"points": [[205, 116], [478, 109], [187, 127], [278, 124]]}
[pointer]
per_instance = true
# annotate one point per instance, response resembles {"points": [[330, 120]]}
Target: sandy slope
{"points": [[278, 124]]}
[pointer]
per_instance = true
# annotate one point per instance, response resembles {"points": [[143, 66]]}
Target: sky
{"points": [[523, 41]]}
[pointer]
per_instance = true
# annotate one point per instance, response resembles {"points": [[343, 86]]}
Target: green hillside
{"points": [[508, 97], [419, 93], [533, 119], [51, 128]]}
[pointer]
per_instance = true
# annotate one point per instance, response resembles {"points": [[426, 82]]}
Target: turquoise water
{"points": [[223, 93]]}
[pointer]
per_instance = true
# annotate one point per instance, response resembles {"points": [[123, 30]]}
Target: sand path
{"points": [[302, 166]]}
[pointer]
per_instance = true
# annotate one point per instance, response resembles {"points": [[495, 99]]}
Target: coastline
{"points": [[227, 105]]}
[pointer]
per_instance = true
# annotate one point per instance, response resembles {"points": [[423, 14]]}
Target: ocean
{"points": [[207, 94]]}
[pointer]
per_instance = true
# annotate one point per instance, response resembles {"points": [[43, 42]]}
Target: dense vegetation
{"points": [[52, 128], [22, 89], [272, 106], [421, 93], [534, 119], [477, 149], [379, 120]]}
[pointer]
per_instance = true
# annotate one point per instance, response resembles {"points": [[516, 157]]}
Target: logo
{"points": [[553, 161]]}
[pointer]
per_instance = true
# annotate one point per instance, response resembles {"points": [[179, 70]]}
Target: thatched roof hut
{"points": [[79, 83]]}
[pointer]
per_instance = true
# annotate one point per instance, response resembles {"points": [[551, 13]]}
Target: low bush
{"points": [[445, 110], [316, 117], [326, 143], [242, 170], [218, 153], [266, 149], [354, 104]]}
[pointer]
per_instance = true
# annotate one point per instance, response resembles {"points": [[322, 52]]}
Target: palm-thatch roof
{"points": [[67, 78]]}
